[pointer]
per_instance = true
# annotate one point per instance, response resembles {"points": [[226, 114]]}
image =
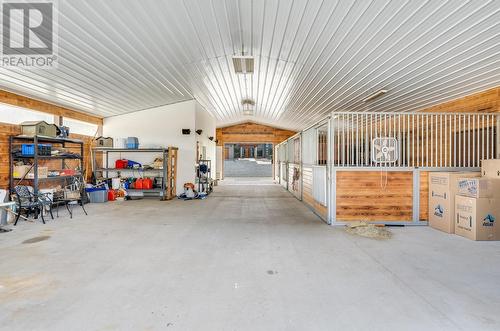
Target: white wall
{"points": [[205, 122], [161, 127]]}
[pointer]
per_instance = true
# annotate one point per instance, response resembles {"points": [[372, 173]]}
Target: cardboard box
{"points": [[477, 218], [490, 168], [20, 171], [482, 187], [442, 190]]}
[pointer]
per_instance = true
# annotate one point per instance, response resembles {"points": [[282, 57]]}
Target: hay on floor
{"points": [[364, 229]]}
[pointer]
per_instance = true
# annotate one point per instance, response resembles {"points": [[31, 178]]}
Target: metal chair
{"points": [[27, 201], [77, 199]]}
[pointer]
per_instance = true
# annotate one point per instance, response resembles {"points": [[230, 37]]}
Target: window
{"points": [[322, 144], [16, 115], [80, 127]]}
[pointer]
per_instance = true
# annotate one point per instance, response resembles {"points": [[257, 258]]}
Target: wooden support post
{"points": [[171, 173]]}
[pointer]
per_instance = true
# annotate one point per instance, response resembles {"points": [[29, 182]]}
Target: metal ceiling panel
{"points": [[311, 57]]}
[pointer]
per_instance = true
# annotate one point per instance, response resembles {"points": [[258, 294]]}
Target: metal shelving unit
{"points": [[35, 158], [204, 178], [168, 172]]}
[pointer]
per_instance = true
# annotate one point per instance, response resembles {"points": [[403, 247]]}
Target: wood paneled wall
{"points": [[483, 102], [251, 133], [7, 130], [424, 195], [25, 102]]}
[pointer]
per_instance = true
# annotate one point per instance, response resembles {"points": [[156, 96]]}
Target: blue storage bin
{"points": [[132, 143], [29, 149]]}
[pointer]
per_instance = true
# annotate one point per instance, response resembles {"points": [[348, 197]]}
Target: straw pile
{"points": [[364, 229]]}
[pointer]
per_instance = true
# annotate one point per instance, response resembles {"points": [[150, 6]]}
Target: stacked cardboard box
{"points": [[442, 190], [477, 204]]}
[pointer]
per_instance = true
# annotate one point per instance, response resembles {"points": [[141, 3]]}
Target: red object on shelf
{"points": [[67, 172], [111, 195], [147, 183], [138, 184], [121, 164]]}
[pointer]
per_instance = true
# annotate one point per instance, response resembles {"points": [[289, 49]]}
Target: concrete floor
{"points": [[247, 258], [248, 168]]}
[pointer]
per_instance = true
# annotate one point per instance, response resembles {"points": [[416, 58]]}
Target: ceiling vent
{"points": [[243, 64]]}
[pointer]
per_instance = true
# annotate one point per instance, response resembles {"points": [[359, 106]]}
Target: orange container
{"points": [[138, 184], [147, 183]]}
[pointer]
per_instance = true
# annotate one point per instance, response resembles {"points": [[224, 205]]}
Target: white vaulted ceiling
{"points": [[311, 56]]}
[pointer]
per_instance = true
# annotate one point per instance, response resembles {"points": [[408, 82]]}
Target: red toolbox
{"points": [[67, 172]]}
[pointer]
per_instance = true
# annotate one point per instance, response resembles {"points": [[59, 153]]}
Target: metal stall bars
{"points": [[367, 141]]}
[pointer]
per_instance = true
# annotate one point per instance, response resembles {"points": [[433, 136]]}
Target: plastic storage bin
{"points": [[29, 149], [97, 195], [132, 143]]}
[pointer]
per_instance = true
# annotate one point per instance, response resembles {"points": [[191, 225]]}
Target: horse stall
{"points": [[380, 161], [374, 167], [314, 169]]}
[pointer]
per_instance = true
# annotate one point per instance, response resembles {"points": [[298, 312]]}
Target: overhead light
{"points": [[375, 95], [243, 64], [247, 102], [247, 106]]}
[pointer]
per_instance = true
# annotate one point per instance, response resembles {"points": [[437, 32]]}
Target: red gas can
{"points": [[111, 195], [138, 184], [121, 164], [147, 183]]}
